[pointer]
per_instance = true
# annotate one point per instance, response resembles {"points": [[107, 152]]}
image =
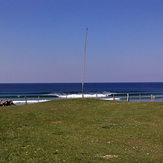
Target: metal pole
{"points": [[84, 63], [25, 99], [128, 97], [113, 97]]}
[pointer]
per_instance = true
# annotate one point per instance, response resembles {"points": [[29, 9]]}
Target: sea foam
{"points": [[97, 95], [21, 102]]}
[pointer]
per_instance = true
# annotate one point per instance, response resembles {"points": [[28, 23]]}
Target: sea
{"points": [[21, 93]]}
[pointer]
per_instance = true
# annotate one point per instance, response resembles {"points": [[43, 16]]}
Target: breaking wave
{"points": [[20, 102], [79, 95]]}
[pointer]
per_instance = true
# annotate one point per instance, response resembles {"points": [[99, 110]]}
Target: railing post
{"points": [[113, 97], [25, 99], [152, 97], [128, 97]]}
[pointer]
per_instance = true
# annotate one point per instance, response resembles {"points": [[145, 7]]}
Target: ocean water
{"points": [[40, 92]]}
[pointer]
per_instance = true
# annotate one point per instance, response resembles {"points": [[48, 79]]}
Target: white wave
{"points": [[98, 95], [28, 102], [110, 99]]}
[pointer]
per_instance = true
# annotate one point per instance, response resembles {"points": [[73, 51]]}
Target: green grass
{"points": [[82, 131]]}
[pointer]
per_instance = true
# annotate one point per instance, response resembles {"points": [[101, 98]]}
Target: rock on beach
{"points": [[6, 102]]}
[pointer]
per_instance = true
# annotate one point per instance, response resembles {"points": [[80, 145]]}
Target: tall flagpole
{"points": [[84, 62]]}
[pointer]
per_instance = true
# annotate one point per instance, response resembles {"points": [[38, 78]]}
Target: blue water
{"points": [[50, 91]]}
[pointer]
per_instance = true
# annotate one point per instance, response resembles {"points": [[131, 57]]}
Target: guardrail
{"points": [[135, 97]]}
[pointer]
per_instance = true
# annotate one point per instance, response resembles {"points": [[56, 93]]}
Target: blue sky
{"points": [[43, 40]]}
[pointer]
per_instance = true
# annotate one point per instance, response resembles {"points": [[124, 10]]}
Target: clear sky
{"points": [[43, 40]]}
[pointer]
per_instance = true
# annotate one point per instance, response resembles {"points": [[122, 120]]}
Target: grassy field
{"points": [[82, 131]]}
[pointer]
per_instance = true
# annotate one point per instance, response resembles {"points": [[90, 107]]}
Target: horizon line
{"points": [[78, 82]]}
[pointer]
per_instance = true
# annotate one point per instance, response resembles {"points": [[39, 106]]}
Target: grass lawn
{"points": [[83, 131]]}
